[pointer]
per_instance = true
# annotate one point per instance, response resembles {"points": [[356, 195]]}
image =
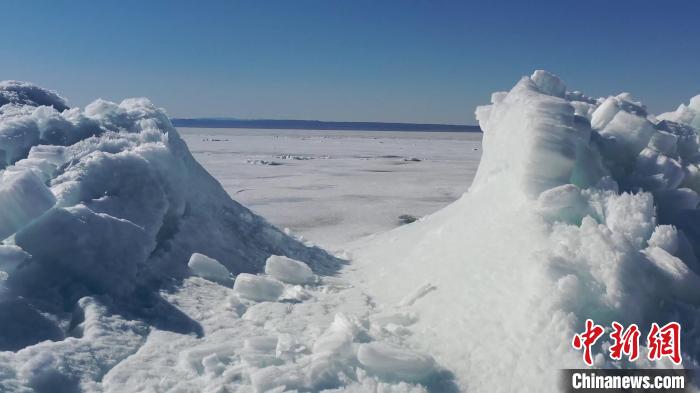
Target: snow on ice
{"points": [[581, 208]]}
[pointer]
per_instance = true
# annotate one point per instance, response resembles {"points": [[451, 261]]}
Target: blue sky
{"points": [[412, 61]]}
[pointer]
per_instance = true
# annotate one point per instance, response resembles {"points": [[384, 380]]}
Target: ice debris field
{"points": [[126, 267]]}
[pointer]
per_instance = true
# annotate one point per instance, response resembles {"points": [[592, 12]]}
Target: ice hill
{"points": [[101, 209], [581, 208], [109, 200]]}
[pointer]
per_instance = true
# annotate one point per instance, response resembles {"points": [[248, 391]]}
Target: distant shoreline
{"points": [[321, 125]]}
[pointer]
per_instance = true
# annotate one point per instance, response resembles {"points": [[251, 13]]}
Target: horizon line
{"points": [[224, 122]]}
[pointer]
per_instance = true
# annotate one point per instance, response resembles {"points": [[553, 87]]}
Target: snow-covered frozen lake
{"points": [[333, 187]]}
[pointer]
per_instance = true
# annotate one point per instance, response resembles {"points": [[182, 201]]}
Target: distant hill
{"points": [[320, 125]]}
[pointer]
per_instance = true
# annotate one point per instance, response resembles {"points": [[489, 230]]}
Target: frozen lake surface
{"points": [[333, 187]]}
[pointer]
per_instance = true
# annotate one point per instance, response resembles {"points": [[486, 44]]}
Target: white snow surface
{"points": [[581, 208]]}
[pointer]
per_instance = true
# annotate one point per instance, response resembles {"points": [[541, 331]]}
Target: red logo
{"points": [[665, 341], [586, 340], [661, 341], [624, 343]]}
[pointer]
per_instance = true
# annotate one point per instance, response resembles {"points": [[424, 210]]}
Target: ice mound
{"points": [[685, 114], [114, 270], [108, 204], [581, 208], [23, 93], [119, 172]]}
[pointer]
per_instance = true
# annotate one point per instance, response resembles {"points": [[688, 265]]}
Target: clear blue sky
{"points": [[412, 61]]}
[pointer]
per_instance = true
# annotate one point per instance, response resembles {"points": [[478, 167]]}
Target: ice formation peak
{"points": [[539, 136], [685, 114], [108, 201], [580, 208], [24, 93], [529, 136], [590, 162]]}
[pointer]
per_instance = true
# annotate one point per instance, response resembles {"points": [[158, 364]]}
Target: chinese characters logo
{"points": [[662, 341]]}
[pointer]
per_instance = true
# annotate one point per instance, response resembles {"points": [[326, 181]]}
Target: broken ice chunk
{"points": [[287, 346], [605, 112], [687, 139], [23, 197], [333, 351], [204, 358], [548, 83], [664, 143], [400, 318], [263, 344], [655, 171], [674, 200], [338, 338], [11, 256], [565, 203], [392, 362], [632, 133], [212, 364], [680, 280], [261, 313], [666, 237], [56, 155], [417, 294], [43, 168], [260, 351], [275, 379], [209, 268], [259, 289], [295, 293], [288, 270]]}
